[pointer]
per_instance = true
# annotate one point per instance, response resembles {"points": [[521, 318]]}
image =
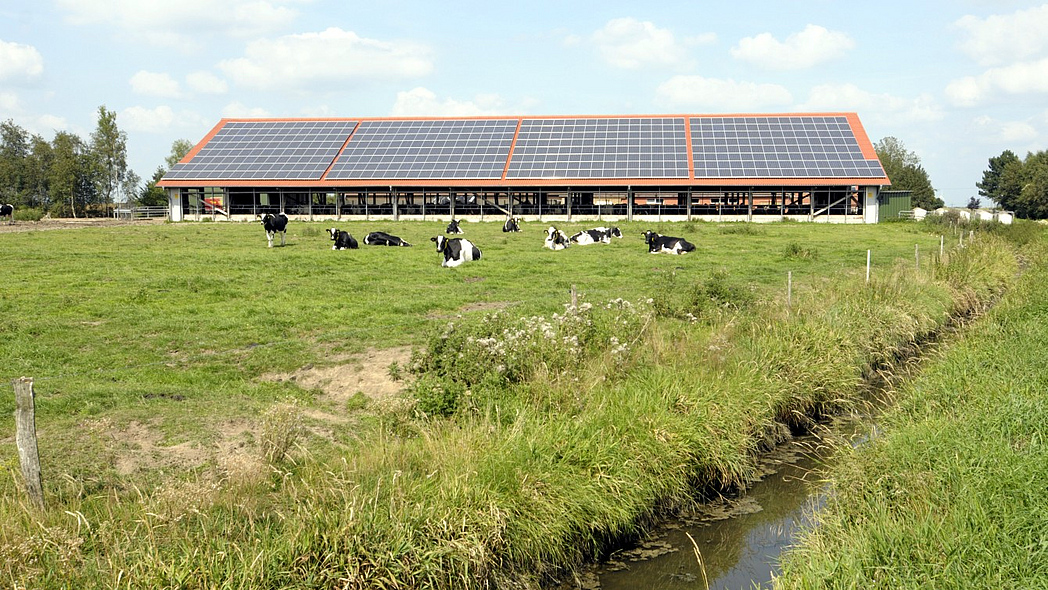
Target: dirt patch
{"points": [[51, 224], [368, 373]]}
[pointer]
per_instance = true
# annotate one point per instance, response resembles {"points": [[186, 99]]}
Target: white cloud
{"points": [[158, 120], [1016, 79], [421, 102], [237, 109], [999, 39], [9, 104], [332, 57], [810, 47], [19, 61], [206, 83], [179, 23], [155, 84], [883, 106], [724, 95], [632, 44], [1007, 132]]}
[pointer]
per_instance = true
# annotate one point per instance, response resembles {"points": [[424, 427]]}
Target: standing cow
{"points": [[275, 224], [8, 210]]}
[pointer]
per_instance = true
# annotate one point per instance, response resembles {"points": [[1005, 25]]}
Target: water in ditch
{"points": [[739, 539]]}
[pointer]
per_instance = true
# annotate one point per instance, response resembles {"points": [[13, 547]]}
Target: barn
{"points": [[748, 167]]}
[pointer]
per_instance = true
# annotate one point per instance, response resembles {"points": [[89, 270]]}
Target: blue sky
{"points": [[956, 81]]}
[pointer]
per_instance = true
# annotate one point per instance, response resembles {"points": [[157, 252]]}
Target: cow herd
{"points": [[459, 250]]}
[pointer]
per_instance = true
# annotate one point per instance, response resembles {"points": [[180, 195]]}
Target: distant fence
{"points": [[140, 212]]}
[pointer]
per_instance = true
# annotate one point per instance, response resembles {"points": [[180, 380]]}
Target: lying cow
{"points": [[342, 239], [595, 236], [510, 225], [8, 211], [381, 238], [456, 250], [275, 224], [453, 228], [556, 239], [666, 244]]}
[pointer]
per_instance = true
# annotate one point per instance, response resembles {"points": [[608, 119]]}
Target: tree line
{"points": [[72, 177], [1018, 185]]}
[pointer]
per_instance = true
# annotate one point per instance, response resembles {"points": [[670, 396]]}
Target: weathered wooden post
{"points": [[789, 289], [868, 266], [25, 440]]}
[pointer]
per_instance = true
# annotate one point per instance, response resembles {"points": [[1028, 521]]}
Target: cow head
{"points": [[615, 233], [334, 233], [441, 242], [649, 236]]}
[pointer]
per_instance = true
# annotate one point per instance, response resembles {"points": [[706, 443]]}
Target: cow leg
{"points": [[269, 237], [282, 235]]}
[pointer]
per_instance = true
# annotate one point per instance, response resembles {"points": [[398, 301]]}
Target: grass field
{"points": [[154, 351]]}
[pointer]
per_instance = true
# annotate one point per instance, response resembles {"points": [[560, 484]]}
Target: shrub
{"points": [[281, 428]]}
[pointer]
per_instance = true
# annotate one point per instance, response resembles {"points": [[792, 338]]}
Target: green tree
{"points": [[152, 195], [14, 147], [71, 174], [992, 187], [37, 169], [109, 149], [179, 149], [1032, 202], [905, 172]]}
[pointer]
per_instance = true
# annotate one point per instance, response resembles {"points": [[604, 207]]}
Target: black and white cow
{"points": [[456, 250], [665, 244], [342, 239], [8, 210], [595, 236], [556, 239], [381, 238], [275, 224], [453, 228], [510, 225]]}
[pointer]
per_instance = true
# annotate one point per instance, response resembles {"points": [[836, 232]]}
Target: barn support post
{"points": [[811, 204], [451, 198], [25, 440], [629, 203], [568, 204], [688, 209], [749, 204], [393, 198]]}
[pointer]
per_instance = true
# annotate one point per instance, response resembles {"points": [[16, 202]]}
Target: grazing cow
{"points": [[510, 225], [381, 238], [275, 224], [456, 250], [342, 239], [8, 211], [596, 235], [666, 244], [453, 228], [556, 239]]}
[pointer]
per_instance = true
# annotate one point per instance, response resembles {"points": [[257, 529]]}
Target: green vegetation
{"points": [[534, 433], [1018, 185], [950, 493]]}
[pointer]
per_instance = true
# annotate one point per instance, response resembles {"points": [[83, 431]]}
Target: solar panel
{"points": [[614, 147], [427, 149], [778, 147], [259, 150]]}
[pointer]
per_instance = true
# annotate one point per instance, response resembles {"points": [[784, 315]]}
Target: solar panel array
{"points": [[723, 147], [475, 149], [653, 147], [778, 147], [262, 150]]}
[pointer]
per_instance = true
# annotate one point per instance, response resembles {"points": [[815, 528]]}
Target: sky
{"points": [[956, 81]]}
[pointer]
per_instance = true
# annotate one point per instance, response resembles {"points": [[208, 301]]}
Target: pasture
{"points": [[161, 353]]}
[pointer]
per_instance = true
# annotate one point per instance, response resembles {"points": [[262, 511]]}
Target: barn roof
{"points": [[693, 150]]}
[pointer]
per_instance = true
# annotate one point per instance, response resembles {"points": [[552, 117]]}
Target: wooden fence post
{"points": [[25, 440]]}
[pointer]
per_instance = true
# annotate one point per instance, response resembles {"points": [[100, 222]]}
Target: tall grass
{"points": [[950, 493], [550, 437]]}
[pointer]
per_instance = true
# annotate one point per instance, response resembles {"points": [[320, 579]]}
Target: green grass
{"points": [[170, 329], [951, 492]]}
